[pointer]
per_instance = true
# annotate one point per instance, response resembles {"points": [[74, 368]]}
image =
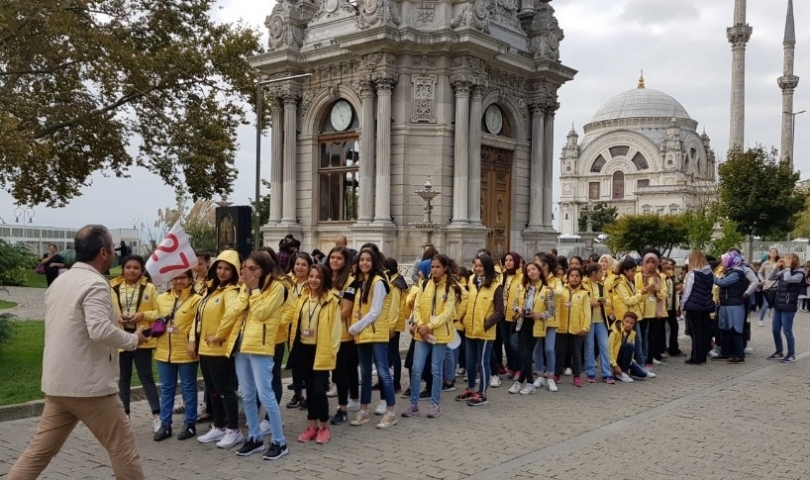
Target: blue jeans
{"points": [[546, 346], [378, 353], [479, 353], [783, 321], [168, 387], [597, 336], [450, 363], [255, 374], [764, 309], [420, 354], [641, 339], [626, 362]]}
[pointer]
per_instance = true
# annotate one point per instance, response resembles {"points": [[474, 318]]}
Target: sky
{"points": [[680, 45]]}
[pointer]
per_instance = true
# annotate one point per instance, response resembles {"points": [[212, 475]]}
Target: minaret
{"points": [[788, 83], [738, 36]]}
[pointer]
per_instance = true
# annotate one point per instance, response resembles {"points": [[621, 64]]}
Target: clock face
{"points": [[494, 119], [341, 116]]}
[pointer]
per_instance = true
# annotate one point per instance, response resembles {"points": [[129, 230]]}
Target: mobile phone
{"points": [[147, 333]]}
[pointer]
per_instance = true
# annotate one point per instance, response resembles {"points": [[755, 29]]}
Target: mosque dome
{"points": [[641, 103]]}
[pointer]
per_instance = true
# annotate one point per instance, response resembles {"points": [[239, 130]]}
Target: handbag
{"points": [[40, 269], [159, 327]]}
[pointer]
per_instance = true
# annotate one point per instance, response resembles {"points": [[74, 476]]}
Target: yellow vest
{"points": [[510, 293], [480, 307], [653, 305], [399, 306], [556, 285], [260, 324], [541, 295], [171, 346], [217, 315], [608, 283], [344, 332], [148, 299], [329, 329], [625, 298], [435, 307], [615, 342], [461, 307], [575, 314], [377, 332]]}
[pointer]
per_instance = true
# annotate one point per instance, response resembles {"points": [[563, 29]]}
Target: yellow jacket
{"points": [[217, 315], [399, 312], [435, 306], [171, 346], [480, 308], [575, 314], [556, 285], [344, 335], [290, 307], [377, 331], [608, 282], [511, 286], [597, 290], [260, 324], [615, 341], [461, 307], [146, 301], [543, 303], [653, 304], [329, 328], [625, 298]]}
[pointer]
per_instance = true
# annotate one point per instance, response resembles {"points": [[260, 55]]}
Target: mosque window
{"points": [[593, 190], [618, 185], [598, 164], [620, 151], [640, 162], [645, 182]]}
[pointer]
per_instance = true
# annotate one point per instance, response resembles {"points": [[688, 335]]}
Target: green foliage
{"points": [[802, 227], [603, 215], [14, 261], [80, 78], [21, 363], [634, 233], [758, 193], [730, 237], [699, 225], [6, 329]]}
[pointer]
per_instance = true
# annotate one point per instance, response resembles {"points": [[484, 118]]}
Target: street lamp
{"points": [[257, 200], [793, 130], [24, 212]]}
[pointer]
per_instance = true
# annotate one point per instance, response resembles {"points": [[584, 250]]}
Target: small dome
{"points": [[643, 103]]}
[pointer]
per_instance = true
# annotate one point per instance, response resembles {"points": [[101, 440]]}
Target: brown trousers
{"points": [[103, 416]]}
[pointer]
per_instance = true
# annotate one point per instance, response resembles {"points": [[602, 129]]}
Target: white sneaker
{"points": [[265, 428], [382, 407], [528, 389], [568, 372], [714, 353], [749, 349], [213, 435], [332, 391], [155, 425], [540, 382], [650, 374], [494, 381], [760, 323], [353, 406], [516, 387], [460, 372], [625, 378], [656, 362], [552, 385], [232, 438]]}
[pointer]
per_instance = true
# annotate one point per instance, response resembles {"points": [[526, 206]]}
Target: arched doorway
{"points": [[496, 198]]}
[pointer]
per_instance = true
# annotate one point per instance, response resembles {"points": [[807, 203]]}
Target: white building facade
{"points": [[641, 153], [37, 238]]}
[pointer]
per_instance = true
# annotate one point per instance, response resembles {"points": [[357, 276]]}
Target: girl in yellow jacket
{"points": [[484, 311], [432, 328], [345, 374], [600, 326], [574, 317], [297, 285], [608, 265], [621, 348], [511, 279], [316, 328], [253, 343], [535, 305], [653, 286], [216, 318], [370, 331], [133, 296], [547, 267], [397, 317], [175, 310]]}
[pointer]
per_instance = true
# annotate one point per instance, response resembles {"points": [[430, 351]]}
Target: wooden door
{"points": [[496, 198]]}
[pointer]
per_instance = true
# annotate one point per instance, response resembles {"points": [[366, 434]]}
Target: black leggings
{"points": [[569, 347], [526, 343], [142, 358], [220, 379], [345, 375], [317, 383]]}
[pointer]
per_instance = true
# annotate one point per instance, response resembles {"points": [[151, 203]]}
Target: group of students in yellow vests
{"points": [[235, 321]]}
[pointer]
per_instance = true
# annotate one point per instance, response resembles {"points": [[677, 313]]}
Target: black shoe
{"points": [[302, 404], [448, 386], [736, 360], [250, 447], [406, 393], [276, 451], [689, 361], [290, 386], [187, 432], [721, 357], [425, 395], [295, 402], [162, 434], [339, 418], [376, 386]]}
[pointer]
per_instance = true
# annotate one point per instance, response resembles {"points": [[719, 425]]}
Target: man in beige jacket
{"points": [[80, 364]]}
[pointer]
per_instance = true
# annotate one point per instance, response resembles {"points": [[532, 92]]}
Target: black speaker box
{"points": [[234, 229]]}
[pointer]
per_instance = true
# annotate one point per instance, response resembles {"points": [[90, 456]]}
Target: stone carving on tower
{"points": [[545, 34], [672, 147], [286, 25], [788, 83], [375, 13], [570, 153], [474, 14], [333, 9]]}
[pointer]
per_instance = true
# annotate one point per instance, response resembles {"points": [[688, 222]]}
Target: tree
{"points": [[730, 237], [758, 193], [15, 260], [802, 227], [603, 215], [634, 233], [80, 78]]}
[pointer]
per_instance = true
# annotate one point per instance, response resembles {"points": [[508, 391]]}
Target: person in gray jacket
{"points": [[80, 364]]}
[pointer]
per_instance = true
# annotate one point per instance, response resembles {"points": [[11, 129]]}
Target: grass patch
{"points": [[21, 363], [4, 305], [34, 279]]}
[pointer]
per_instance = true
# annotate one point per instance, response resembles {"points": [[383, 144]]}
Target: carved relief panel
{"points": [[424, 99]]}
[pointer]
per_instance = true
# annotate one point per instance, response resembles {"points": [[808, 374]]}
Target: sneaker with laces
{"points": [[353, 406], [749, 349], [360, 418], [264, 426], [382, 407], [591, 379], [528, 389], [179, 408], [339, 418], [406, 393], [275, 451], [460, 372], [515, 388], [656, 362], [448, 386], [164, 432], [424, 395], [552, 385], [624, 377], [760, 323], [465, 395], [609, 380], [155, 425], [187, 432], [494, 381], [231, 438], [309, 434], [250, 447], [324, 434], [388, 420], [568, 372], [775, 356], [477, 400], [650, 374], [294, 402], [411, 411], [789, 359], [213, 435], [577, 382], [434, 411], [540, 382], [332, 391]]}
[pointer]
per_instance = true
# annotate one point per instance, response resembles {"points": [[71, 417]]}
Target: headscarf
{"points": [[516, 260], [731, 260]]}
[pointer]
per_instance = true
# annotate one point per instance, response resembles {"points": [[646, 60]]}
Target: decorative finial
{"points": [[641, 85], [790, 28]]}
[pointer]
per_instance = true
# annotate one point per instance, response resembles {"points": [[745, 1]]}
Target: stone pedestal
{"points": [[463, 241], [539, 239], [383, 235]]}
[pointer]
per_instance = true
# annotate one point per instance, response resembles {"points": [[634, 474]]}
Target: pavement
{"points": [[716, 421], [30, 302]]}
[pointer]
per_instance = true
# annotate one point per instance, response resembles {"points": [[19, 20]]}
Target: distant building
{"points": [[38, 238]]}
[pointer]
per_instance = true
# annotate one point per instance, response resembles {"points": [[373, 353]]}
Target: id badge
{"points": [[652, 299], [568, 304], [172, 329], [307, 333], [432, 317]]}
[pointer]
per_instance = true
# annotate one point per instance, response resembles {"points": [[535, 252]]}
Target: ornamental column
{"points": [[474, 195], [289, 214], [538, 173], [365, 213], [548, 164], [276, 170], [382, 205], [460, 151]]}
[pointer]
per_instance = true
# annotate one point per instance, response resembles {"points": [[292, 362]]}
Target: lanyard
{"points": [[297, 291], [311, 312], [128, 300]]}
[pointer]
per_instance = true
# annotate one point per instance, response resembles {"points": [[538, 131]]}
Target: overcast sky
{"points": [[681, 46]]}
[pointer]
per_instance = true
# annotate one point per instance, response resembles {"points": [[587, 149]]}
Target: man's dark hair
{"points": [[89, 241]]}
